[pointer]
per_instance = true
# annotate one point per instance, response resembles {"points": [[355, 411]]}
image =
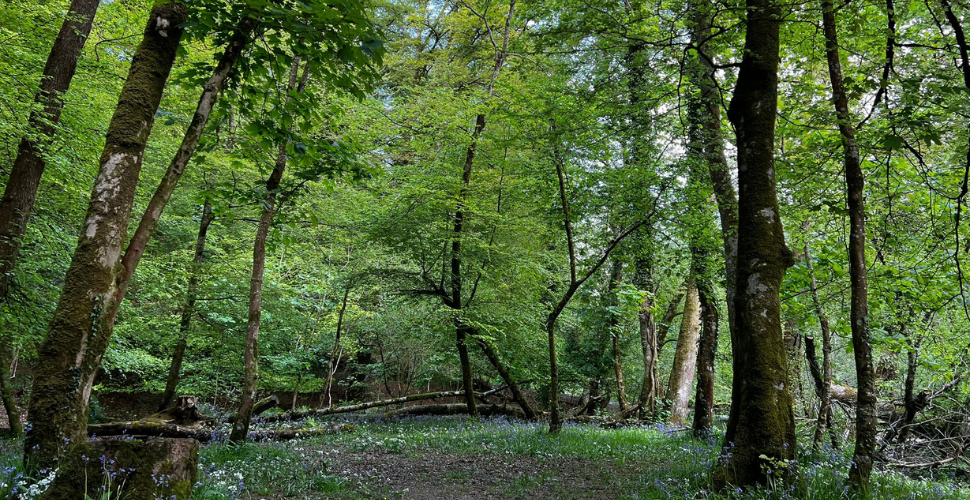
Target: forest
{"points": [[484, 249]]}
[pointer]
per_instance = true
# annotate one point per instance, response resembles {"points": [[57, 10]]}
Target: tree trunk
{"points": [[6, 393], [762, 422], [136, 247], [912, 357], [503, 372], [673, 309], [706, 353], [364, 406], [866, 419], [171, 384], [648, 338], [461, 329], [685, 358], [28, 168], [710, 135], [335, 351], [21, 191], [616, 275], [240, 428], [823, 377], [71, 353]]}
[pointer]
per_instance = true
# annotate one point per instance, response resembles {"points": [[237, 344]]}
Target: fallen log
{"points": [[488, 410], [300, 432], [147, 428], [364, 406]]}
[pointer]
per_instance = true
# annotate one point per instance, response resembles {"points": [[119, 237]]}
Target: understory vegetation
{"points": [[411, 458]]}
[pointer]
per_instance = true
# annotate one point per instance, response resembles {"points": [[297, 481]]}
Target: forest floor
{"points": [[456, 458]]}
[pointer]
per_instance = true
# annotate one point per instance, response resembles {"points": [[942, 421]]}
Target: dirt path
{"points": [[437, 476]]}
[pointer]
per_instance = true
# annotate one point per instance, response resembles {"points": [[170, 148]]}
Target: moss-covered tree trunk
{"points": [[240, 428], [685, 358], [21, 191], [28, 168], [156, 467], [6, 392], [188, 310], [706, 126], [71, 353], [761, 427]]}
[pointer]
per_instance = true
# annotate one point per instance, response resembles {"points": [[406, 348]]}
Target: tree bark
{"points": [[240, 428], [6, 393], [866, 418], [175, 368], [79, 333], [685, 358], [21, 191], [673, 309], [761, 426]]}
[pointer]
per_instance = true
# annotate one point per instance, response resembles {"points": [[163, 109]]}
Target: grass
{"points": [[583, 461]]}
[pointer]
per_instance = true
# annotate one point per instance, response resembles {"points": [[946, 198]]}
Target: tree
{"points": [[21, 190], [71, 353], [685, 357], [240, 428], [188, 310], [761, 426]]}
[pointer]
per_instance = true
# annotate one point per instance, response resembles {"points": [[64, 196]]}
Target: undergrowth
{"points": [[636, 462]]}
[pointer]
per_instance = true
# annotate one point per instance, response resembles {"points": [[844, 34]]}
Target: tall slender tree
{"points": [[685, 356], [240, 428], [866, 419], [188, 310]]}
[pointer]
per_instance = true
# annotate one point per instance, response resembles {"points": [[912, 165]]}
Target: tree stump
{"points": [[155, 467]]}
